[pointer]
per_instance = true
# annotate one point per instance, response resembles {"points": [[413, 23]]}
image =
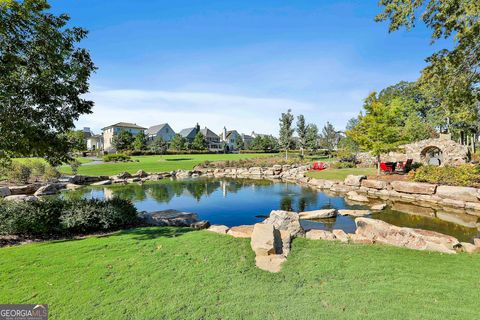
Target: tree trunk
{"points": [[286, 154], [378, 165]]}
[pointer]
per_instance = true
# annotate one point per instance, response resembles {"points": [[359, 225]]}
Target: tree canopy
{"points": [[43, 75], [286, 131], [451, 79]]}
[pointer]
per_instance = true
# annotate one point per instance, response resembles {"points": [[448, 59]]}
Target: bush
{"points": [[19, 172], [65, 217], [463, 175], [115, 157], [343, 165]]}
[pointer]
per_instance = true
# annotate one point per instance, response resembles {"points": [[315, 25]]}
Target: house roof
{"points": [[207, 133], [125, 125], [188, 132], [155, 129]]}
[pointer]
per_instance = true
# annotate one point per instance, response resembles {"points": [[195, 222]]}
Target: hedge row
{"points": [[65, 217]]}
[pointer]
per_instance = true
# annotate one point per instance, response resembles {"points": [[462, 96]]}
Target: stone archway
{"points": [[432, 155], [441, 151]]}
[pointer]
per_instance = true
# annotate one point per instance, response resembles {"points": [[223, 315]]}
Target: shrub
{"points": [[19, 172], [75, 165], [65, 217], [463, 175], [51, 173], [116, 157], [343, 164]]}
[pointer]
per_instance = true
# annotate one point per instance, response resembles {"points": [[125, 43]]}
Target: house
{"points": [[110, 131], [190, 133], [247, 140], [212, 140], [95, 142], [230, 139], [163, 131]]}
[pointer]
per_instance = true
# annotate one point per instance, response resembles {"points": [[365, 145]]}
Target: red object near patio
{"points": [[386, 167], [318, 166]]}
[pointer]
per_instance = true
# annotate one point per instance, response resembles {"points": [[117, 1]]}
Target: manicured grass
{"points": [[165, 273], [157, 163], [341, 174]]}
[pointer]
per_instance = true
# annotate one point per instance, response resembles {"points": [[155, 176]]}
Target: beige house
{"points": [[110, 131]]}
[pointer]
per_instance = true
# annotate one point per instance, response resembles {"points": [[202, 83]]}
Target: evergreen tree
{"points": [[311, 138], [123, 141], [178, 142], [302, 133], [198, 142], [286, 131]]}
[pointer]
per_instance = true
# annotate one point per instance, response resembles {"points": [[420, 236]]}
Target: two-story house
{"points": [[212, 140], [110, 131], [163, 131], [190, 133], [229, 139]]}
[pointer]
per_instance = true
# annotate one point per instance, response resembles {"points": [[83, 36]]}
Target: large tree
{"points": [[123, 140], [329, 137], [452, 76], [286, 131], [378, 130], [302, 132], [178, 142], [43, 75], [198, 142], [140, 141], [311, 138]]}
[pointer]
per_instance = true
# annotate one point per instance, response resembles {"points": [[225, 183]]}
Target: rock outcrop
{"points": [[381, 232], [286, 220], [318, 214]]}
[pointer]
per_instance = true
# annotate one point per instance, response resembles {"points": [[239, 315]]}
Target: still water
{"points": [[242, 201]]}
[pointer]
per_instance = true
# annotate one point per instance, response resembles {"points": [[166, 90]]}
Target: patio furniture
{"points": [[387, 167], [404, 166], [318, 166]]}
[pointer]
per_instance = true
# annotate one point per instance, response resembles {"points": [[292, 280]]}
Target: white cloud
{"points": [[183, 109]]}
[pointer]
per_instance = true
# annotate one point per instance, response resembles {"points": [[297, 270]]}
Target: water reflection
{"points": [[243, 201]]}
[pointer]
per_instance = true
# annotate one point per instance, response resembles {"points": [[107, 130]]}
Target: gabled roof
{"points": [[155, 129], [188, 132], [207, 133], [125, 125]]}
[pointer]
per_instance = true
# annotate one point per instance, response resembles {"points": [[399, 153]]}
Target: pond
{"points": [[235, 202]]}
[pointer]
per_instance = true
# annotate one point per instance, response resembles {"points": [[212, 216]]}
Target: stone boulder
{"points": [[199, 225], [4, 192], [102, 183], [374, 184], [340, 235], [20, 197], [170, 217], [354, 196], [121, 176], [354, 213], [218, 229], [270, 263], [318, 214], [141, 174], [467, 247], [354, 181], [46, 190], [315, 234], [286, 220], [458, 193], [418, 239], [81, 179], [263, 239], [26, 189], [413, 187], [244, 231], [72, 186], [379, 206]]}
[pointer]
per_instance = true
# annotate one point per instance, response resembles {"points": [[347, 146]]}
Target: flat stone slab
{"points": [[170, 217], [354, 196], [318, 214], [413, 187], [102, 183], [244, 231], [218, 228], [379, 207], [315, 234], [271, 263], [354, 213]]}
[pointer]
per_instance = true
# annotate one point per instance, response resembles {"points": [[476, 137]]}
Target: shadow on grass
{"points": [[150, 233], [178, 159]]}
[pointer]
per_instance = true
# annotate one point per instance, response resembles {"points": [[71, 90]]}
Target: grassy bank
{"points": [[341, 174], [164, 273], [157, 163]]}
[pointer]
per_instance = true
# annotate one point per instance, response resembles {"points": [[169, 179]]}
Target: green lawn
{"points": [[157, 163], [165, 273], [341, 174]]}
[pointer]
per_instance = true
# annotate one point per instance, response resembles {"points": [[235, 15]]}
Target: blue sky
{"points": [[239, 63]]}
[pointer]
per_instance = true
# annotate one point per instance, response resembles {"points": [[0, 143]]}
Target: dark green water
{"points": [[241, 201]]}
